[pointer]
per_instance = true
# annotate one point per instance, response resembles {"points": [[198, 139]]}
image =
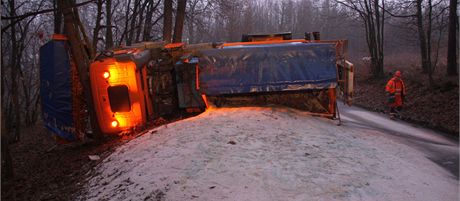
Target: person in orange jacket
{"points": [[396, 91]]}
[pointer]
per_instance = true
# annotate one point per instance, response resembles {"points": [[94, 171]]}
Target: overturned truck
{"points": [[134, 85]]}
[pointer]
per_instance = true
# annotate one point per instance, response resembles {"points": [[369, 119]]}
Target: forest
{"points": [[417, 37]]}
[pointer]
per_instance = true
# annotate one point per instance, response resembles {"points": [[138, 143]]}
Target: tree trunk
{"points": [[141, 19], [191, 31], [36, 108], [380, 17], [26, 92], [108, 29], [14, 64], [180, 17], [428, 43], [425, 39], [125, 31], [167, 23], [57, 18], [191, 21], [81, 58], [130, 38], [97, 27], [148, 22], [7, 161], [81, 29], [422, 37], [374, 20], [452, 41]]}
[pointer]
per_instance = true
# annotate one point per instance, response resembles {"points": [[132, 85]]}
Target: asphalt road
{"points": [[279, 153], [436, 146]]}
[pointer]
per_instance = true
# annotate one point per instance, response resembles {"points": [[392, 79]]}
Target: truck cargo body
{"points": [[272, 72], [267, 68]]}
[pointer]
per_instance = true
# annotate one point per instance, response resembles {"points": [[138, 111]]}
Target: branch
{"points": [[396, 15], [352, 6], [158, 19], [21, 17], [42, 11]]}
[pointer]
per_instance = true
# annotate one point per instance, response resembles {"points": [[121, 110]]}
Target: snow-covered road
{"points": [[255, 153]]}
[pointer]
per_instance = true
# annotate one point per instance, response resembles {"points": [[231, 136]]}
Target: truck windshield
{"points": [[119, 98]]}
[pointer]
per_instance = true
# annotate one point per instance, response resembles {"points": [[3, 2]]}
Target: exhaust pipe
{"points": [[316, 35], [307, 35]]}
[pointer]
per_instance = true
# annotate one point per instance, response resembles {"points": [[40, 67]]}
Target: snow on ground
{"points": [[255, 153]]}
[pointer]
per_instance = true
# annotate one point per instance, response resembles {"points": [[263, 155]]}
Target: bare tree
{"points": [[424, 27], [372, 15], [429, 21], [148, 19], [141, 20], [97, 27], [126, 25], [130, 38], [180, 17], [13, 101], [19, 18], [6, 157], [80, 56], [15, 61]]}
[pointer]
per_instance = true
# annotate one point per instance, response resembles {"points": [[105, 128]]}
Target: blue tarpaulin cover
{"points": [[56, 89], [267, 68]]}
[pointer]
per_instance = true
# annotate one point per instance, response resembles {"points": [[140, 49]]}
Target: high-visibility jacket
{"points": [[396, 90]]}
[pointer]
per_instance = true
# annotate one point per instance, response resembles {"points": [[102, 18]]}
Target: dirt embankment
{"points": [[45, 171], [435, 106]]}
